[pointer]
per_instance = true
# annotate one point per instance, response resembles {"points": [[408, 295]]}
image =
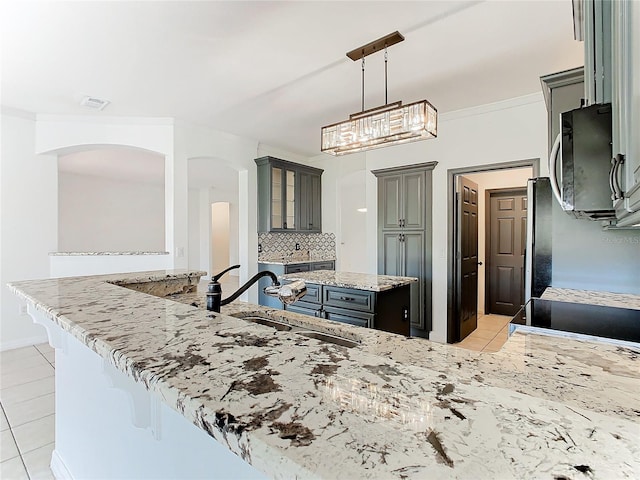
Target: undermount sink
{"points": [[283, 327], [325, 337], [305, 332]]}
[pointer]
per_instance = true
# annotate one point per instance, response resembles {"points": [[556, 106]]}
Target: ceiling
{"points": [[275, 71]]}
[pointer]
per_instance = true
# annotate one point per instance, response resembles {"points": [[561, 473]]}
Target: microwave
{"points": [[580, 163]]}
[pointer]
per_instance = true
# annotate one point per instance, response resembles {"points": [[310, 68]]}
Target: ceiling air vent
{"points": [[95, 103]]}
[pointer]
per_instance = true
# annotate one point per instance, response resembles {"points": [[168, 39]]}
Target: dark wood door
{"points": [[506, 243], [466, 256]]}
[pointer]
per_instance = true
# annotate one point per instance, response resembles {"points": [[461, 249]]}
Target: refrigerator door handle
{"points": [[553, 160]]}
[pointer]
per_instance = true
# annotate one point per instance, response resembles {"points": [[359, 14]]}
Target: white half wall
{"points": [[28, 222], [105, 215], [500, 132]]}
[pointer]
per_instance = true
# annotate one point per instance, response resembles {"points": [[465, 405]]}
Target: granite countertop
{"points": [[359, 281], [292, 260], [607, 299], [90, 254], [393, 407]]}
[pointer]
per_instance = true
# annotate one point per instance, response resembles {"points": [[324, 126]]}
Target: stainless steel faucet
{"points": [[285, 293]]}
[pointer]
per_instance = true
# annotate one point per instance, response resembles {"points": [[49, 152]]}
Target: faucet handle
{"points": [[216, 277]]}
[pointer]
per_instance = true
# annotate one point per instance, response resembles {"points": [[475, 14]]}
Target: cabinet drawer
{"points": [[304, 308], [313, 295], [329, 265], [359, 319], [296, 268], [349, 298]]}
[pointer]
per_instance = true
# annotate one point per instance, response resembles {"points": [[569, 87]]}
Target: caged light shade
{"points": [[391, 124]]}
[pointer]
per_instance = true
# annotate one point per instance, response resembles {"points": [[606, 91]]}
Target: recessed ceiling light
{"points": [[93, 102]]}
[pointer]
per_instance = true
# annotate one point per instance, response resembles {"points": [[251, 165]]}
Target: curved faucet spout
{"points": [[246, 286]]}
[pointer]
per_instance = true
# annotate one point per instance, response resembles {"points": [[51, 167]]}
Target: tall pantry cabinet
{"points": [[405, 232]]}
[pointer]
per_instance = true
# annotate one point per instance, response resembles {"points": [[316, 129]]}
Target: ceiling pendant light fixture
{"points": [[389, 124]]}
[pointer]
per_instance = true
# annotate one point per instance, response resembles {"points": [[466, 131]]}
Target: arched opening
{"points": [[111, 199], [214, 218]]}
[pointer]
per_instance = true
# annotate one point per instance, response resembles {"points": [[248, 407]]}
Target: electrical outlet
{"points": [[297, 246], [259, 248]]}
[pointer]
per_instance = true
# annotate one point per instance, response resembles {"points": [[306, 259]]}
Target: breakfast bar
{"points": [[176, 391]]}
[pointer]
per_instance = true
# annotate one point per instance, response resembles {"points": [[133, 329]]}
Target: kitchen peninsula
{"points": [[169, 389]]}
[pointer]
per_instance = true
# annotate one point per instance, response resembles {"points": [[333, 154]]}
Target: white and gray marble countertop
{"points": [[393, 407], [92, 254], [359, 281], [291, 260], [607, 299]]}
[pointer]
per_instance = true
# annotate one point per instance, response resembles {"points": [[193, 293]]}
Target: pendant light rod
{"points": [[375, 46], [363, 81], [386, 100]]}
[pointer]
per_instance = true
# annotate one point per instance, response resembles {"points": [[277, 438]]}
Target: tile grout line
{"points": [[52, 365], [24, 465]]}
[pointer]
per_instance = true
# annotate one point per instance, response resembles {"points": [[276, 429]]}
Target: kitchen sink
{"points": [[325, 337], [283, 327], [303, 331]]}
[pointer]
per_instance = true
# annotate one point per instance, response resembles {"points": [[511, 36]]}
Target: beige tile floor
{"points": [[27, 416], [491, 334]]}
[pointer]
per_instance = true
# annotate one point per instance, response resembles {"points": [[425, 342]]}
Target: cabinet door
{"points": [[413, 244], [304, 203], [289, 199], [626, 100], [309, 202], [277, 194], [390, 195], [413, 200], [390, 261], [315, 194]]}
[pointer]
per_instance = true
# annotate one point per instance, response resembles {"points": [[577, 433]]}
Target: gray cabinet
{"points": [[625, 102], [289, 196], [387, 310], [280, 270], [403, 200], [405, 232], [310, 201]]}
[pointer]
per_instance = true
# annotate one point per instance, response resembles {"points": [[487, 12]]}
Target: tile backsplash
{"points": [[278, 245]]}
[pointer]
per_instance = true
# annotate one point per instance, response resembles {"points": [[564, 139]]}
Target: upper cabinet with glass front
{"points": [[289, 196]]}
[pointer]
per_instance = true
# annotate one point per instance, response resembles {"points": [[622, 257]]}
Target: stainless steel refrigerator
{"points": [[568, 252]]}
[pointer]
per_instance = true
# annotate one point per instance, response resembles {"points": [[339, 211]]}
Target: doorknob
{"points": [[479, 263]]}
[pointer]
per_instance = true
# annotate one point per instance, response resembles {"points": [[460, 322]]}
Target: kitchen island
{"points": [[382, 302], [291, 406]]}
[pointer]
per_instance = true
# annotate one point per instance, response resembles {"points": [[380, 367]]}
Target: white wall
{"points": [[500, 132], [28, 222], [193, 221], [105, 215], [220, 236], [513, 177]]}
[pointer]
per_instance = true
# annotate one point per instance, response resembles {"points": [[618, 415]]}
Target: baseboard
{"points": [[59, 469], [24, 342]]}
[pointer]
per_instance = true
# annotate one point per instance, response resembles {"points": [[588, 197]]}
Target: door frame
{"points": [[452, 173], [487, 233]]}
